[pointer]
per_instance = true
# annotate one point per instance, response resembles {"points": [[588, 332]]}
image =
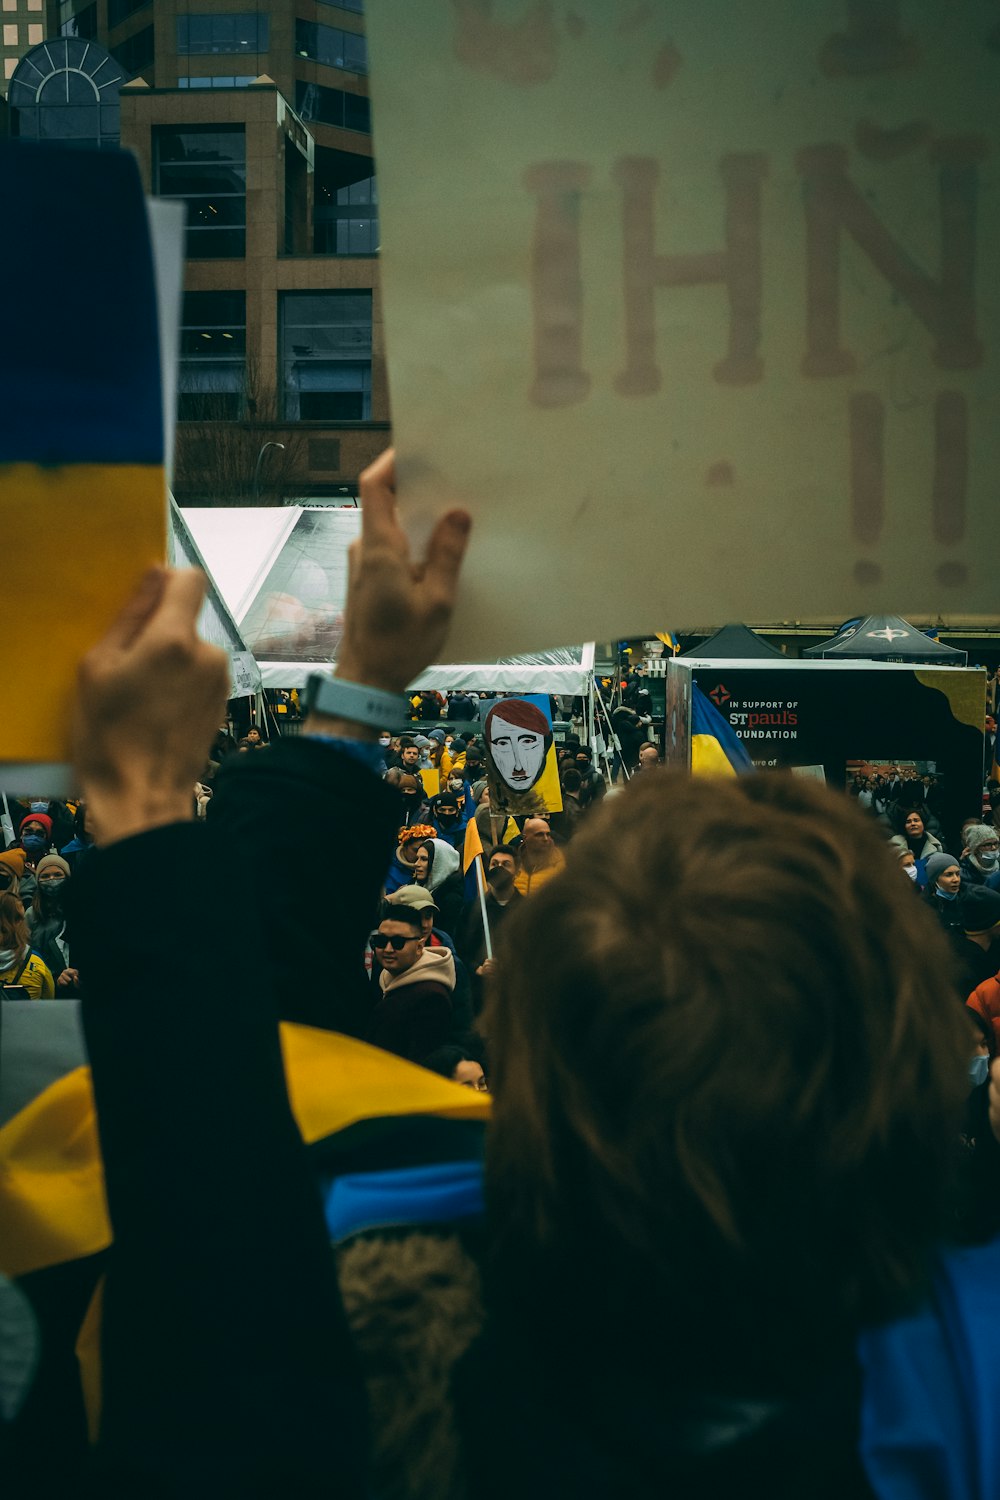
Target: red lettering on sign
{"points": [[737, 267], [946, 307], [557, 283]]}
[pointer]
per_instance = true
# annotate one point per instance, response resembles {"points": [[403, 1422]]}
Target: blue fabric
{"points": [[706, 719], [931, 1382], [412, 1195], [80, 377]]}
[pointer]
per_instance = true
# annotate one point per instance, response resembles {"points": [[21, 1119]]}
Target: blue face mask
{"points": [[33, 843], [979, 1071], [945, 895]]}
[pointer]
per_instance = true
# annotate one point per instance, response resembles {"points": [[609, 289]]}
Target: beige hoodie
{"points": [[434, 964]]}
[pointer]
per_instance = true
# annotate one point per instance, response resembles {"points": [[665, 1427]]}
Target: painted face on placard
{"points": [[518, 752]]}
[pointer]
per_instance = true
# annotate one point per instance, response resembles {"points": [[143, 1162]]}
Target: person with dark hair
{"points": [[456, 1064], [402, 871], [912, 834], [414, 1014], [502, 900]]}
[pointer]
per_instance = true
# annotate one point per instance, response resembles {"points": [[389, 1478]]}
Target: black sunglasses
{"points": [[379, 940]]}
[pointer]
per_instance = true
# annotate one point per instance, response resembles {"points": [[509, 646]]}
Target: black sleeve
{"points": [[317, 830], [227, 1366]]}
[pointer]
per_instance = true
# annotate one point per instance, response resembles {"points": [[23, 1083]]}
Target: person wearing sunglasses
{"points": [[413, 1016]]}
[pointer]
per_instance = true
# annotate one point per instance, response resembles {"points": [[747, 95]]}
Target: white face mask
{"points": [[383, 740], [910, 871]]}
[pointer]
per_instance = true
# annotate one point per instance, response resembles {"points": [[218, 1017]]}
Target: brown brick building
{"points": [[259, 121]]}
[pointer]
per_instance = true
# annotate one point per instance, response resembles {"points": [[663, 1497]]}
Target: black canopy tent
{"points": [[733, 643], [887, 638]]}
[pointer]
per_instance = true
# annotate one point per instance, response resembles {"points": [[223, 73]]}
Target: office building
{"points": [[259, 121]]}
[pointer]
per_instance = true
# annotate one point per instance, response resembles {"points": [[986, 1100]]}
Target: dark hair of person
{"points": [[571, 779], [446, 1059], [502, 849], [396, 911], [407, 742], [984, 1027], [898, 814], [13, 927], [746, 1114]]}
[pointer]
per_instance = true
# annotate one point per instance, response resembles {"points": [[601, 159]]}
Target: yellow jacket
{"points": [[526, 883], [36, 979]]}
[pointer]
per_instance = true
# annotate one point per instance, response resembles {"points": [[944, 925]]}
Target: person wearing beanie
{"points": [[981, 863], [11, 871], [46, 919], [944, 886], [912, 833], [453, 757], [35, 837], [977, 937]]}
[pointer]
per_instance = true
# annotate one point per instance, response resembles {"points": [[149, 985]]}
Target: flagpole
{"points": [[481, 886]]}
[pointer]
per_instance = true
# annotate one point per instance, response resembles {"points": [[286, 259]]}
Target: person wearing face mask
{"points": [[912, 833], [502, 899], [944, 885], [908, 866], [413, 798], [35, 837], [18, 964], [447, 817], [46, 920], [981, 864]]}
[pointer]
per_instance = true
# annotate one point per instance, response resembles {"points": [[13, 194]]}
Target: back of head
{"points": [[727, 1061]]}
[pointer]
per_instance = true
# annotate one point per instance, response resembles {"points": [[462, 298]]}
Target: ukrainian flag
{"points": [[716, 749], [669, 639], [82, 485]]}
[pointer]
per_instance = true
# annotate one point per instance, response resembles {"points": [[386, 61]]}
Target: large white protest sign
{"points": [[695, 303]]}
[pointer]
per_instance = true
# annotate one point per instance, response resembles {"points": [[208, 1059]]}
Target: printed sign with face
{"points": [[520, 758]]}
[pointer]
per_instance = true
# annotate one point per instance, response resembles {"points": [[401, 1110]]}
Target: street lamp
{"points": [[260, 460]]}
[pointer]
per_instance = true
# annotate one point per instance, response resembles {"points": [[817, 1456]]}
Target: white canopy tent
{"points": [[215, 623], [283, 574]]}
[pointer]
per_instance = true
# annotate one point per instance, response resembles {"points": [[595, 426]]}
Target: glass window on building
{"points": [[120, 10], [326, 353], [333, 106], [137, 53], [83, 23], [205, 168], [246, 32], [331, 46], [345, 211], [212, 375], [67, 90], [218, 81]]}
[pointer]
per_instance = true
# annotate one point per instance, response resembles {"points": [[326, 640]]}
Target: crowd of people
{"points": [[731, 1225]]}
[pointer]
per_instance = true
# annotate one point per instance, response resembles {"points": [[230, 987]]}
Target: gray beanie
{"points": [[979, 833], [936, 865]]}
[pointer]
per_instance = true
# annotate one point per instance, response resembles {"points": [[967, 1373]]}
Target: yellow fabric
{"points": [[451, 763], [88, 1357], [527, 884], [473, 845], [37, 979], [52, 1206], [98, 526], [708, 757], [431, 778]]}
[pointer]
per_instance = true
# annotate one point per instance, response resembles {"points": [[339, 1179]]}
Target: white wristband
{"points": [[340, 699]]}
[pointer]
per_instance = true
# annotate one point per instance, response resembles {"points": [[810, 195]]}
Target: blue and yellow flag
{"points": [[669, 639], [716, 749], [82, 487]]}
